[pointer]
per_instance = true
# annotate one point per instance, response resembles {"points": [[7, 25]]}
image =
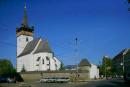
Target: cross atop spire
{"points": [[25, 18]]}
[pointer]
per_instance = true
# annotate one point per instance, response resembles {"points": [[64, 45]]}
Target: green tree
{"points": [[62, 66], [106, 68], [6, 66], [128, 1], [23, 69]]}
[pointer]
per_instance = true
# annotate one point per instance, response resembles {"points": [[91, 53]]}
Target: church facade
{"points": [[33, 54]]}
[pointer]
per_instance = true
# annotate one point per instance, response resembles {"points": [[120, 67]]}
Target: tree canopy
{"points": [[106, 67], [6, 66], [62, 66], [128, 1]]}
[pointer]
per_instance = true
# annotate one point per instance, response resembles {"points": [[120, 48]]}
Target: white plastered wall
{"points": [[25, 61], [94, 71], [21, 42], [40, 66], [58, 63]]}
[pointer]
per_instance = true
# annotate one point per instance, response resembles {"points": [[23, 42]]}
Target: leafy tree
{"points": [[13, 70], [7, 70], [62, 66], [106, 68], [6, 66], [23, 69], [128, 1]]}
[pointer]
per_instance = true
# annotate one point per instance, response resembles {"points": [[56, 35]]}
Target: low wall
{"points": [[36, 76]]}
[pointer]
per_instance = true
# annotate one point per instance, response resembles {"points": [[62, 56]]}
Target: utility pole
{"points": [[76, 52], [105, 68]]}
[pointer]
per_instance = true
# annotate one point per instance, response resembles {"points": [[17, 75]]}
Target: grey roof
{"points": [[29, 47], [84, 62], [70, 66], [43, 47], [119, 55]]}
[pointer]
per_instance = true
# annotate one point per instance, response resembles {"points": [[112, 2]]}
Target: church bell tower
{"points": [[24, 33]]}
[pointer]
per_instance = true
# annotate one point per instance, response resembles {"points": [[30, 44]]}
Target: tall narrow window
{"points": [[47, 58], [42, 61], [38, 58], [26, 39], [56, 66]]}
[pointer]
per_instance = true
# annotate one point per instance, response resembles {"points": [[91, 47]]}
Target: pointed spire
{"points": [[25, 19]]}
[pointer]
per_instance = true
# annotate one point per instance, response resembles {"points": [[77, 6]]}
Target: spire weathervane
{"points": [[25, 19]]}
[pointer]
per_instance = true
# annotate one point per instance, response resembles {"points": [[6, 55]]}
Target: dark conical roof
{"points": [[25, 29], [25, 18], [84, 62]]}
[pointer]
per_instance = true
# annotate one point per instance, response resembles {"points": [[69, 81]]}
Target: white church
{"points": [[33, 54]]}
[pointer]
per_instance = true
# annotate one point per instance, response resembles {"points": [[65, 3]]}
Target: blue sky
{"points": [[102, 27]]}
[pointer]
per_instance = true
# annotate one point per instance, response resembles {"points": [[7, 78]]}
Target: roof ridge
{"points": [[29, 47], [43, 47]]}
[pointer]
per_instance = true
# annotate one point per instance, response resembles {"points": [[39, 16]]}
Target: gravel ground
{"points": [[37, 84], [96, 83]]}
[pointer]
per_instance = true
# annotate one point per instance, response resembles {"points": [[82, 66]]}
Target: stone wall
{"points": [[36, 76]]}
